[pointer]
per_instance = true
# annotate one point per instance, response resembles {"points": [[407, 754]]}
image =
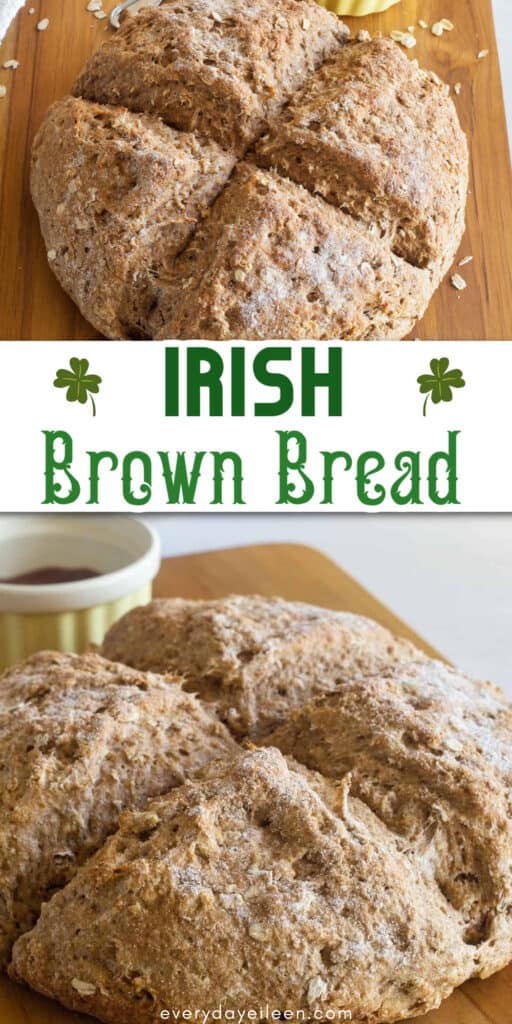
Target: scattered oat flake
{"points": [[3, 91], [100, 15], [448, 25], [422, 24], [482, 54], [43, 25], [411, 29], [11, 64], [437, 29], [467, 259], [404, 38], [459, 283], [31, 10], [457, 88], [83, 987], [52, 255], [94, 5]]}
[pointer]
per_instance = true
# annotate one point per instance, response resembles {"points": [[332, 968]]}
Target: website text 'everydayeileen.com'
{"points": [[263, 1013]]}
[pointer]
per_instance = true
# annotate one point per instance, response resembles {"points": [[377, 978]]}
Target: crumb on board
{"points": [[442, 26], [43, 24], [404, 38], [458, 282]]}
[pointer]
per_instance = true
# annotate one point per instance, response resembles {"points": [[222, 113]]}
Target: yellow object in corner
{"points": [[123, 554], [357, 8], [22, 635]]}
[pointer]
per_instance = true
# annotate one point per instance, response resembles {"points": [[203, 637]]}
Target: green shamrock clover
{"points": [[80, 384], [439, 384]]}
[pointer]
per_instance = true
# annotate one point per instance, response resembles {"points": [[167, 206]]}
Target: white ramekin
{"points": [[71, 616]]}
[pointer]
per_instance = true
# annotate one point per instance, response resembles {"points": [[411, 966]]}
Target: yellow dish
{"points": [[123, 550], [75, 630], [357, 8]]}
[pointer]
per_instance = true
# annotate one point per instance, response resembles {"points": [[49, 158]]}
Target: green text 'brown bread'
{"points": [[81, 739], [158, 241], [255, 658], [256, 885]]}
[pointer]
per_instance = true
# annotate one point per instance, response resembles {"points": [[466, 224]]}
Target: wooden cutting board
{"points": [[32, 305], [296, 573]]}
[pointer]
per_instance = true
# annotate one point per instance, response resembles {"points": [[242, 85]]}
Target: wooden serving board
{"points": [[303, 574], [32, 305]]}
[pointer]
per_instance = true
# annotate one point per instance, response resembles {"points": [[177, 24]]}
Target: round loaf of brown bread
{"points": [[254, 658], [359, 861], [81, 739], [340, 221]]}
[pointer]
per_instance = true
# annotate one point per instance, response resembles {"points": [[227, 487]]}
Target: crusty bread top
{"points": [[352, 248], [255, 885], [118, 196], [81, 738], [378, 136], [256, 658], [375, 886], [430, 751], [218, 67], [274, 261]]}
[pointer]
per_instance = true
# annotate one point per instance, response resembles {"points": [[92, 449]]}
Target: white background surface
{"points": [[449, 577]]}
